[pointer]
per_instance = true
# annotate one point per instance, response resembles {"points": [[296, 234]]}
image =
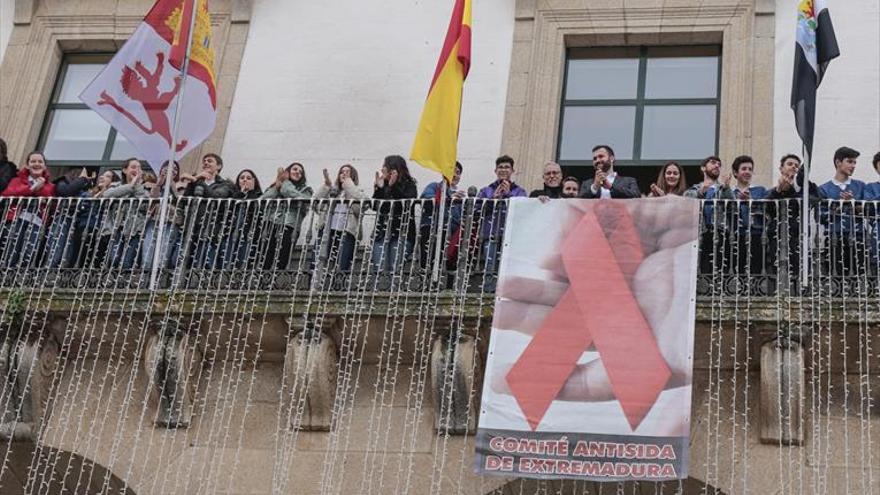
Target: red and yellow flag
{"points": [[436, 143], [140, 91]]}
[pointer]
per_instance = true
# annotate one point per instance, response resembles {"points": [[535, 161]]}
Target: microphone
{"points": [[472, 192]]}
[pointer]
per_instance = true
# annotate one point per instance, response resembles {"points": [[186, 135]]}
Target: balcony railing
{"points": [[746, 247]]}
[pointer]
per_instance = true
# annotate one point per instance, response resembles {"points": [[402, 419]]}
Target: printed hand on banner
{"points": [[527, 297]]}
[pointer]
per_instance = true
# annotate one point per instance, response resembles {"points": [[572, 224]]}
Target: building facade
{"points": [[345, 82]]}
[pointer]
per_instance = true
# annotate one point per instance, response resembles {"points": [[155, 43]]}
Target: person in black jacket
{"points": [[8, 170], [606, 183], [784, 226], [209, 220], [66, 232], [395, 218], [552, 183], [247, 218]]}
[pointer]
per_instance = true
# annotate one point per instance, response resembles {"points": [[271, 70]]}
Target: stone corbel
{"points": [[24, 11], [782, 391], [172, 364], [28, 362], [241, 11], [310, 373], [456, 375]]}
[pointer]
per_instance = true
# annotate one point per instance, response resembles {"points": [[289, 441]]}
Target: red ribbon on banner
{"points": [[600, 264]]}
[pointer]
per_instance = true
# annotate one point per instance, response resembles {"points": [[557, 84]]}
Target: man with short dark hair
{"points": [[714, 256], [494, 215], [749, 224], [784, 232], [606, 183], [431, 198], [552, 183], [872, 212], [211, 225], [844, 229], [714, 185], [571, 187], [872, 190]]}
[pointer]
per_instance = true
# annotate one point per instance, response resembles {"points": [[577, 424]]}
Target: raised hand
{"points": [[599, 179], [657, 191]]}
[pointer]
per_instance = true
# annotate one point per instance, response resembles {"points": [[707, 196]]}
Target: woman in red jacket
{"points": [[26, 216]]}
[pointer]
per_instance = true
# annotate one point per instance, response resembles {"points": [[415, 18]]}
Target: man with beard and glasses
{"points": [[606, 183], [714, 242]]}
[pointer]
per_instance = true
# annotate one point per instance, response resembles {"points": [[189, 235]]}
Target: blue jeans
{"points": [[385, 252], [125, 251], [61, 248], [490, 264], [342, 244], [22, 243], [207, 252]]}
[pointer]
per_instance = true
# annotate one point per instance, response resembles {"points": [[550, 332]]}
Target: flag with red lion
{"points": [[139, 90]]}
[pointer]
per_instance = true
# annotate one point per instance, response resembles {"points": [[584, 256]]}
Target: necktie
{"points": [[600, 264]]}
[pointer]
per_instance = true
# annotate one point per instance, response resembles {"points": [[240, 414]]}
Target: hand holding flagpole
{"points": [[436, 142], [159, 90], [166, 190]]}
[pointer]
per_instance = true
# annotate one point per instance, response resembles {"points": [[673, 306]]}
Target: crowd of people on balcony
{"points": [[123, 234]]}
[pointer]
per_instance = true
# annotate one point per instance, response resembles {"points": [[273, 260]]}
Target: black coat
{"points": [[8, 171], [550, 192], [623, 187], [391, 214]]}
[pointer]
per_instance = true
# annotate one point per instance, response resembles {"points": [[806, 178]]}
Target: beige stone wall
{"points": [[386, 444], [46, 30], [545, 28]]}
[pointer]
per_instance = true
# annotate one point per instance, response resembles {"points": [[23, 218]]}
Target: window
{"points": [[651, 105], [73, 135]]}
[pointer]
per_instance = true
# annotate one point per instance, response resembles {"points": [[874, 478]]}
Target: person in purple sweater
{"points": [[494, 214]]}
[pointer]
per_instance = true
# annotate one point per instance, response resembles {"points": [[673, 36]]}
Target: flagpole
{"points": [[805, 223], [169, 170], [438, 247]]}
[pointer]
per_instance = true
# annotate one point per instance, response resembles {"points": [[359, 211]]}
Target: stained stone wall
{"points": [[388, 444]]}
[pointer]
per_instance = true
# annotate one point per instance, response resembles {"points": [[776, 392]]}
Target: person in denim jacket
{"points": [[845, 230]]}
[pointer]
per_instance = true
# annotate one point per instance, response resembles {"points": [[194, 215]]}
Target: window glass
{"points": [[678, 132], [76, 78], [76, 135], [682, 77], [602, 79], [584, 127], [123, 149], [652, 104]]}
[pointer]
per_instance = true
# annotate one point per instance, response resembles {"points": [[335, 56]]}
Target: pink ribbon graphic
{"points": [[629, 352]]}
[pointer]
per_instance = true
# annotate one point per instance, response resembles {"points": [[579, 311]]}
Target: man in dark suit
{"points": [[606, 183]]}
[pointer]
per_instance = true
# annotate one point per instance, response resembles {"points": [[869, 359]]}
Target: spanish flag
{"points": [[436, 142]]}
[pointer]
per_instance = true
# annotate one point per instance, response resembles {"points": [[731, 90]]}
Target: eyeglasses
{"points": [[552, 173]]}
